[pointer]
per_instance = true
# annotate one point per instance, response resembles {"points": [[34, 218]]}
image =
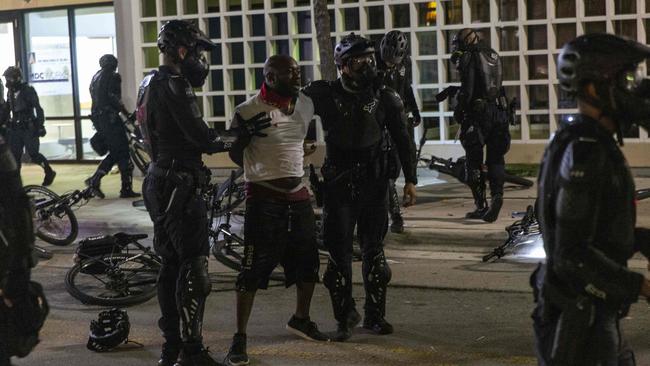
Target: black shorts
{"points": [[278, 233]]}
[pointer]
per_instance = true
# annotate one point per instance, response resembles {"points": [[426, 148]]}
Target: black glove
{"points": [[247, 128], [416, 118], [41, 131], [458, 116]]}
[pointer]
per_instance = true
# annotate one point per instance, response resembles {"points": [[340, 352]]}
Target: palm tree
{"points": [[322, 23]]}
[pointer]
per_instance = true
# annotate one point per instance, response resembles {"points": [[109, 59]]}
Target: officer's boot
{"points": [[476, 182], [50, 174], [340, 289], [496, 175], [170, 352], [397, 222], [127, 185], [95, 181], [376, 275]]}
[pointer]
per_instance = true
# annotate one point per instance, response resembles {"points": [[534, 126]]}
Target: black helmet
{"points": [[463, 39], [108, 62], [350, 46], [393, 47], [109, 331], [176, 33], [14, 76]]}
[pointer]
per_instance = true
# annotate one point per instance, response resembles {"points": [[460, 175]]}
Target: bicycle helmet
{"points": [[109, 331], [393, 47], [108, 62], [464, 39], [14, 76], [350, 46], [176, 33]]}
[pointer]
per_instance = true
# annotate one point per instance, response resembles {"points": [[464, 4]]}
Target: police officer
{"points": [[26, 123], [394, 67], [482, 114], [355, 109], [587, 211], [176, 135], [16, 242], [4, 111], [105, 90]]}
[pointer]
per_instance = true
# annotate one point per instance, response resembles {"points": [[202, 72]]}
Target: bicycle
{"points": [[54, 218], [124, 273], [137, 149]]}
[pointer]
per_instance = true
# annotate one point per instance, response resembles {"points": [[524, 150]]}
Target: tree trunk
{"points": [[322, 23]]}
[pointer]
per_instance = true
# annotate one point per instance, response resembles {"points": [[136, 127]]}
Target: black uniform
{"points": [[105, 90], [399, 78], [483, 121], [25, 125], [587, 216], [174, 130], [356, 173], [16, 241]]}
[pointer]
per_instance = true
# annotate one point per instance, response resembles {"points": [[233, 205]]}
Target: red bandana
{"points": [[269, 96]]}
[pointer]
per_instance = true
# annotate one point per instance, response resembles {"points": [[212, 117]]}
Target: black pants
{"points": [[21, 139], [110, 126], [494, 134], [178, 237]]}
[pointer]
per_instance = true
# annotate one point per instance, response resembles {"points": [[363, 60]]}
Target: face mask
{"points": [[195, 69], [287, 89], [363, 72], [12, 83]]}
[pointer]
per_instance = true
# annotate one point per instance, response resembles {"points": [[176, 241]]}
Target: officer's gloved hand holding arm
{"points": [[188, 116], [40, 115], [575, 260], [396, 120], [409, 97], [245, 130]]}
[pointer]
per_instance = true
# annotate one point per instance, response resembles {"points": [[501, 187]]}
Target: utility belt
{"points": [[22, 123], [186, 184], [350, 175]]}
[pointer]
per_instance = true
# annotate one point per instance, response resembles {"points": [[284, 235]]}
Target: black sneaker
{"points": [[377, 325], [344, 330], [492, 214], [201, 358], [237, 355], [476, 214], [306, 329], [169, 354], [49, 177]]}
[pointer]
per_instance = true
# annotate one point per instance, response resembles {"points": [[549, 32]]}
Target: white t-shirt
{"points": [[280, 154]]}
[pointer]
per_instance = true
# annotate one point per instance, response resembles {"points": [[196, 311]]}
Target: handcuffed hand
{"points": [[409, 194], [254, 125], [42, 131]]}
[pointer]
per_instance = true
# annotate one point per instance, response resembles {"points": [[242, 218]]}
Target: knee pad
{"points": [[378, 271], [334, 279], [195, 280]]}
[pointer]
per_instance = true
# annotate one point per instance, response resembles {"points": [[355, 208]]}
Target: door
{"points": [[9, 43]]}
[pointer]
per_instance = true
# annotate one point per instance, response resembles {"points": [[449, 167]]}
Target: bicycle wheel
{"points": [[140, 157], [230, 253], [114, 279], [53, 223], [518, 180]]}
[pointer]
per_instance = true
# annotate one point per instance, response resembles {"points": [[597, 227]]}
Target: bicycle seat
{"points": [[124, 238]]}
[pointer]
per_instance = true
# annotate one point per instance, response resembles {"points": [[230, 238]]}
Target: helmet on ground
{"points": [[109, 331]]}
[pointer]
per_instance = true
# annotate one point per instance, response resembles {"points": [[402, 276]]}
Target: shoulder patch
{"points": [[582, 160]]}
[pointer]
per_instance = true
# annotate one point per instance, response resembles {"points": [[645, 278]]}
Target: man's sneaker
{"points": [[49, 177], [237, 355], [306, 329], [397, 224], [344, 330], [169, 354], [492, 214], [377, 325], [201, 358]]}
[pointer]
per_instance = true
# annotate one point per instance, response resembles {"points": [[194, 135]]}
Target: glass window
{"points": [[256, 4], [515, 130], [303, 2], [427, 43], [508, 38], [238, 99], [565, 8], [351, 19], [401, 15], [95, 36], [538, 126], [484, 35], [235, 26], [375, 17], [512, 92], [564, 33], [304, 22], [427, 13], [449, 37], [216, 57], [452, 128], [280, 25], [282, 47], [626, 28], [428, 98], [149, 32], [258, 25], [233, 5], [306, 74], [428, 71], [218, 106], [8, 56], [633, 132], [536, 37], [258, 74], [452, 73], [48, 51], [279, 3], [508, 10], [535, 9], [431, 128], [537, 67], [259, 51], [237, 79], [332, 14], [538, 96], [625, 6], [594, 7], [211, 6], [480, 11], [190, 7], [169, 7], [306, 52], [151, 57], [564, 100], [453, 11], [236, 53], [148, 8], [595, 27], [214, 28], [510, 67], [216, 80]]}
